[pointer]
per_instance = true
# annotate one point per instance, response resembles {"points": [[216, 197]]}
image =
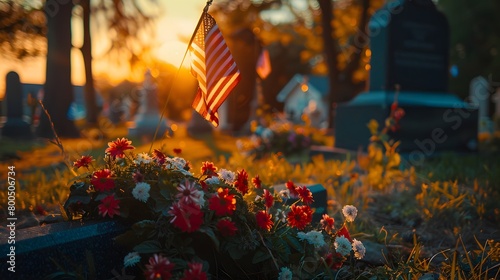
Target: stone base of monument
{"points": [[432, 122], [145, 128], [17, 128], [38, 251], [197, 125], [319, 205], [332, 153]]}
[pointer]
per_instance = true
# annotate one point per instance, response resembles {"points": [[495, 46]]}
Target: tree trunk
{"points": [[360, 42], [331, 53], [86, 49], [58, 90]]}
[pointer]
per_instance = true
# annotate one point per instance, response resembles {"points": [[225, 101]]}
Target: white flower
{"points": [[285, 274], [141, 191], [212, 181], [350, 212], [316, 238], [267, 134], [301, 235], [228, 176], [175, 163], [131, 259], [185, 172], [359, 249], [313, 237], [142, 158], [257, 198], [285, 193], [342, 246], [280, 216]]}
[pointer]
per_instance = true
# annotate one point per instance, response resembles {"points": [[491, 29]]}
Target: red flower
{"points": [[159, 267], [264, 220], [204, 186], [242, 181], [118, 147], [223, 203], [137, 176], [194, 272], [177, 151], [299, 216], [256, 182], [394, 106], [292, 188], [226, 227], [399, 114], [187, 217], [208, 168], [343, 231], [268, 199], [305, 195], [334, 261], [83, 162], [159, 157], [101, 180], [109, 206], [327, 222]]}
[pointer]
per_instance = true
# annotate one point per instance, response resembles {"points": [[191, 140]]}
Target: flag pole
{"points": [[205, 10]]}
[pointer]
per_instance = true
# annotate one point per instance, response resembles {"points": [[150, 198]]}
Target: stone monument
{"points": [[479, 95], [147, 119], [15, 127], [409, 41]]}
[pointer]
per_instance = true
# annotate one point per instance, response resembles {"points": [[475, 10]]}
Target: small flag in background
{"points": [[213, 65], [263, 64]]}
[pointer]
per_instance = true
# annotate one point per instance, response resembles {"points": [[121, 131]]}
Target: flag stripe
{"points": [[214, 68]]}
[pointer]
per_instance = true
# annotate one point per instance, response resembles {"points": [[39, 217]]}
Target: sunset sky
{"points": [[179, 18]]}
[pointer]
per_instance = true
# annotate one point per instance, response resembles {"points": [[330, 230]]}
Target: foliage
{"points": [[383, 162], [22, 30], [174, 214], [276, 134], [474, 40]]}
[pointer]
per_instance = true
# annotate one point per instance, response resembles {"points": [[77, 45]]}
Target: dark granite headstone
{"points": [[15, 127], [409, 41], [405, 45], [66, 243]]}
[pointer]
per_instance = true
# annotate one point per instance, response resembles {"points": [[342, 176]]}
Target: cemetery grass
{"points": [[438, 219]]}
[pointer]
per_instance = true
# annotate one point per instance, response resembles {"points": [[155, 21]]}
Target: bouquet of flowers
{"points": [[215, 223], [278, 135]]}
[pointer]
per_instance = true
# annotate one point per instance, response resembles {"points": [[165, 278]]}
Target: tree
{"points": [[22, 30], [58, 90], [24, 26], [126, 20], [475, 41]]}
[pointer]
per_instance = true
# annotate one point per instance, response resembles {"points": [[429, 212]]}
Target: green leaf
{"points": [[149, 246], [294, 243], [235, 251], [260, 256], [208, 231]]}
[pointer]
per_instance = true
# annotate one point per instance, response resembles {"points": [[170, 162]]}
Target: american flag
{"points": [[263, 64], [213, 65]]}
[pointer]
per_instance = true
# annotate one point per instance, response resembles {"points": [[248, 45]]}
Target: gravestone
{"points": [[15, 127], [197, 125], [496, 99], [479, 96], [409, 42], [147, 119], [66, 243]]}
